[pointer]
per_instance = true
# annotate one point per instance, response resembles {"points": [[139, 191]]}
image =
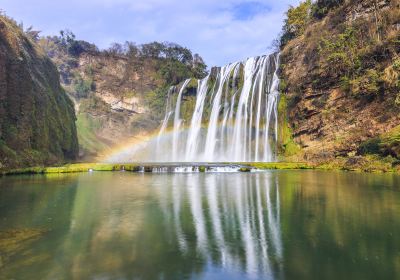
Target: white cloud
{"points": [[221, 31]]}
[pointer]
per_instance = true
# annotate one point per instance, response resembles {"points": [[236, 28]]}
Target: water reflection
{"points": [[273, 225], [235, 221]]}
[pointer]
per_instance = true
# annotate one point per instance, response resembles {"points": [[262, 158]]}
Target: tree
{"points": [[116, 49], [296, 21], [33, 34], [199, 68], [131, 49], [83, 87], [154, 49], [74, 47]]}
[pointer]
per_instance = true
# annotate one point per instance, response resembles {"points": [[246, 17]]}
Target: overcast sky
{"points": [[221, 31]]}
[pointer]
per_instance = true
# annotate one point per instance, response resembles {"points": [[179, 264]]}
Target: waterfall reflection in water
{"points": [[236, 227], [269, 225]]}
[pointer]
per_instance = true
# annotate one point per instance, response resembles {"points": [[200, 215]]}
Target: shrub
{"points": [[386, 144], [341, 53], [345, 83], [391, 77], [322, 7], [156, 101], [396, 64], [83, 87], [366, 84], [370, 147], [72, 46], [296, 21]]}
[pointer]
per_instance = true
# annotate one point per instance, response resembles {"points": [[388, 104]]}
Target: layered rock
{"points": [[341, 79]]}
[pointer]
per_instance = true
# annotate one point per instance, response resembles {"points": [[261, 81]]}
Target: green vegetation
{"points": [[83, 87], [202, 169], [136, 167], [37, 119], [74, 168], [353, 53], [287, 147], [155, 100], [391, 78], [321, 7], [72, 46], [367, 163], [342, 56], [340, 52], [174, 62], [88, 140], [341, 77], [387, 144], [367, 83], [299, 18], [280, 165], [296, 22], [134, 77]]}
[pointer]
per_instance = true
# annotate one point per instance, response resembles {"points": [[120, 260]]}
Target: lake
{"points": [[261, 225]]}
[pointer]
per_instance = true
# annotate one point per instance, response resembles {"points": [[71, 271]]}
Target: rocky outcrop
{"points": [[116, 108], [119, 93], [365, 9], [335, 77], [119, 82], [37, 119]]}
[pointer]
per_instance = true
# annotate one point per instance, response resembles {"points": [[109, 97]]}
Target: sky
{"points": [[221, 31]]}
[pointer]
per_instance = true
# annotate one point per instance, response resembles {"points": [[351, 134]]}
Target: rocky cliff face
{"points": [[341, 82], [116, 107], [118, 94], [37, 119]]}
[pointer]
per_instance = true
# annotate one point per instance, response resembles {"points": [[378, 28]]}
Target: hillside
{"points": [[341, 81], [119, 93], [37, 119]]}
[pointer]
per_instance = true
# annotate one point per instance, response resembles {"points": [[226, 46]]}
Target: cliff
{"points": [[37, 119], [119, 93], [340, 80]]}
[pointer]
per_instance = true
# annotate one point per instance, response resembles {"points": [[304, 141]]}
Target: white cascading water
{"points": [[177, 122], [195, 125], [229, 116], [168, 114], [213, 123], [235, 116]]}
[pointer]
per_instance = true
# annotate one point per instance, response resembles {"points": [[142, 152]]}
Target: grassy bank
{"points": [[368, 165], [280, 165], [137, 167], [74, 168]]}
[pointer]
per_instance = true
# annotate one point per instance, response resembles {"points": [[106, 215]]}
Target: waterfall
{"points": [[177, 122], [168, 114], [215, 113], [230, 116], [195, 126]]}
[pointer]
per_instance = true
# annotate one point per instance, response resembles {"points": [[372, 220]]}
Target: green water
{"points": [[272, 225]]}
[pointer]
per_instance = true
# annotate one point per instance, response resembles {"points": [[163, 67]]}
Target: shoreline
{"points": [[190, 167]]}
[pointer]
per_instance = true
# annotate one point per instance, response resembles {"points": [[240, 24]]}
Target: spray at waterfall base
{"points": [[229, 116]]}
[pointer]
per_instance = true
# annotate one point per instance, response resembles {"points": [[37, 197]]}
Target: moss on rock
{"points": [[37, 119], [286, 146]]}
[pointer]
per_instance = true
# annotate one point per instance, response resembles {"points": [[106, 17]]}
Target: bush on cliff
{"points": [[322, 7], [296, 21]]}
